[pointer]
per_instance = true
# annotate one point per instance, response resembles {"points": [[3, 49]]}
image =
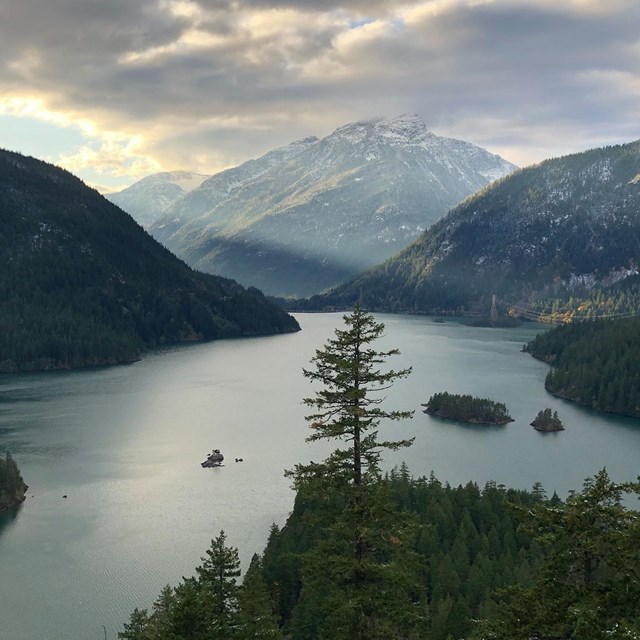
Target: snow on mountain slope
{"points": [[564, 225], [309, 215], [148, 198]]}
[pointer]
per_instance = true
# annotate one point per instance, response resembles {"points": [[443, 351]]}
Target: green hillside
{"points": [[82, 284], [12, 486]]}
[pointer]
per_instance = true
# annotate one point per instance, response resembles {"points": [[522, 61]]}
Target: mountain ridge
{"points": [[148, 198], [562, 223], [325, 209]]}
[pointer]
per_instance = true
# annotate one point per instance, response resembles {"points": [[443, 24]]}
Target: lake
{"points": [[124, 444]]}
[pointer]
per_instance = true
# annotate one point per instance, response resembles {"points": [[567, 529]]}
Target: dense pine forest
{"points": [[467, 408], [463, 543], [459, 544], [595, 363], [12, 486], [477, 563], [618, 296], [82, 284]]}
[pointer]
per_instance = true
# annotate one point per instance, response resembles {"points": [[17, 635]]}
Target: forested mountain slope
{"points": [[315, 213], [82, 284], [570, 223]]}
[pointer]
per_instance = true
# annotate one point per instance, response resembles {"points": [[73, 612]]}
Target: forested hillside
{"points": [[485, 563], [465, 544], [595, 363], [82, 284], [567, 224], [601, 300]]}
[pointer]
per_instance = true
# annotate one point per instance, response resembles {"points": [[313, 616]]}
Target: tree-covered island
{"points": [[547, 421], [12, 486], [467, 408]]}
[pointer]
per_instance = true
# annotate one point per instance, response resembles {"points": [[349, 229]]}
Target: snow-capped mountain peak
{"points": [[407, 129], [310, 214]]}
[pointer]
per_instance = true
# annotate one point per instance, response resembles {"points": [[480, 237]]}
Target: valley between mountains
{"points": [[311, 215]]}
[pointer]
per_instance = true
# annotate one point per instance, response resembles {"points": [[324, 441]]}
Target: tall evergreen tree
{"points": [[138, 626], [256, 617], [348, 405], [356, 582], [217, 578]]}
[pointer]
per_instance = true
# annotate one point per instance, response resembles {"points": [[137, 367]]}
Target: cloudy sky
{"points": [[116, 89]]}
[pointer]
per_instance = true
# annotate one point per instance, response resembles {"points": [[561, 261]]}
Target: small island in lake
{"points": [[12, 486], [547, 421], [466, 408]]}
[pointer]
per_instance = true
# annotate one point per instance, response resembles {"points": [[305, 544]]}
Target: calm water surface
{"points": [[125, 445]]}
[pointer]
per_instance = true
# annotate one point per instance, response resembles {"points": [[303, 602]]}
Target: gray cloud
{"points": [[217, 82], [65, 28], [368, 7]]}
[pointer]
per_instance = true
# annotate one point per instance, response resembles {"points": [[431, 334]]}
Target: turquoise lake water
{"points": [[125, 445]]}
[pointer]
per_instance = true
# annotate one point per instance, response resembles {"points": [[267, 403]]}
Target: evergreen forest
{"points": [[595, 363], [467, 408], [546, 420], [476, 563], [462, 544], [517, 239], [82, 284]]}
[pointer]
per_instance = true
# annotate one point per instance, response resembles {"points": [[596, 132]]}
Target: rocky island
{"points": [[12, 486], [466, 408], [547, 421]]}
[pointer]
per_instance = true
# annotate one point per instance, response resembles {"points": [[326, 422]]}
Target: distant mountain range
{"points": [[149, 198], [567, 224], [312, 214], [82, 284]]}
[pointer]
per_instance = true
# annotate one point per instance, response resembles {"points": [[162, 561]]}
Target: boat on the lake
{"points": [[214, 459]]}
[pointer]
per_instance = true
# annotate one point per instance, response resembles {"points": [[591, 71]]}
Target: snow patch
{"points": [[589, 280]]}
